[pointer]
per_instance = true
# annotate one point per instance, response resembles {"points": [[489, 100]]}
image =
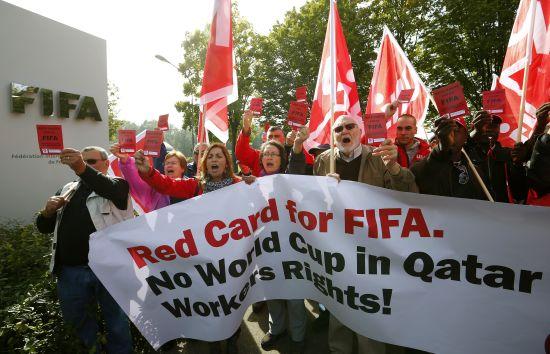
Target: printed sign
{"points": [[450, 100], [127, 141], [297, 114], [494, 101], [375, 127], [301, 93], [256, 105], [153, 141], [163, 122], [405, 95], [50, 139]]}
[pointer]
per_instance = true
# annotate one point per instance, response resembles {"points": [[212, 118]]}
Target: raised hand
{"points": [[115, 150], [247, 121], [73, 159], [142, 162]]}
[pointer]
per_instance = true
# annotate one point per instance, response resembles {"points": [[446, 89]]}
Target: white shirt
{"points": [[354, 154]]}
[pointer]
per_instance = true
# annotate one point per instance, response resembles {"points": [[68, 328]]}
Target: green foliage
{"points": [[112, 103], [30, 316]]}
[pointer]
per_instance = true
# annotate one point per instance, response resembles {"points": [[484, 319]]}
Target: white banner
{"points": [[445, 275]]}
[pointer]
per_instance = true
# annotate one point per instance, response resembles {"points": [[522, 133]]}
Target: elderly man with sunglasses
{"points": [[78, 209], [377, 167]]}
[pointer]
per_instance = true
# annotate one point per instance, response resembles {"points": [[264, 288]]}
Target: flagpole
{"points": [[332, 81], [528, 55]]}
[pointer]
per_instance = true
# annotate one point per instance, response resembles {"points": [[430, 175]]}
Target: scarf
{"points": [[211, 186]]}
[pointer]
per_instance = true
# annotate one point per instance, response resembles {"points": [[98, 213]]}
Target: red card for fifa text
{"points": [[256, 105], [50, 139], [405, 95], [450, 100], [127, 141], [153, 141], [494, 101], [301, 93], [163, 122], [297, 114], [375, 127]]}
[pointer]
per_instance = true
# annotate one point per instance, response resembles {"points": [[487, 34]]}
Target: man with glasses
{"points": [[410, 149], [192, 167], [80, 208], [377, 167]]}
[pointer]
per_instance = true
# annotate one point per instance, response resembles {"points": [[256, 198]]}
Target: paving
{"points": [[254, 327]]}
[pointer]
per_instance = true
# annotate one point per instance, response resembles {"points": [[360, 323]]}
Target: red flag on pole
{"points": [[532, 21], [394, 73], [347, 98], [219, 82]]}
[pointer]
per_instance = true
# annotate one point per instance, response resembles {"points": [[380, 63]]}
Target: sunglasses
{"points": [[349, 126], [93, 161]]}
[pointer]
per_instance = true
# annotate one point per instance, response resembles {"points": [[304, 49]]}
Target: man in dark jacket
{"points": [[445, 171], [504, 176]]}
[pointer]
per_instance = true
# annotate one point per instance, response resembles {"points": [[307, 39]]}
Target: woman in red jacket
{"points": [[216, 171]]}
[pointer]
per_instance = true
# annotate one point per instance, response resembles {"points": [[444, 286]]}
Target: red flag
{"points": [[219, 81], [394, 73], [347, 98], [511, 78]]}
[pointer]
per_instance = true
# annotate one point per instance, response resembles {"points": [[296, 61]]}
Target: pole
{"points": [[332, 81], [528, 56], [478, 177]]}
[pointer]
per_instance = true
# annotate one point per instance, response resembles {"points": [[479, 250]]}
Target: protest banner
{"points": [[375, 128], [450, 100], [50, 139], [494, 101], [127, 141], [256, 105], [446, 275], [153, 141], [297, 114], [162, 123]]}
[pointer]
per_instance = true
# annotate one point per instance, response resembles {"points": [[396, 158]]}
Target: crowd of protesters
{"points": [[464, 161]]}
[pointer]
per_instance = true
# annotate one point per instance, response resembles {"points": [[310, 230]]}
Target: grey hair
{"points": [[101, 151], [340, 118]]}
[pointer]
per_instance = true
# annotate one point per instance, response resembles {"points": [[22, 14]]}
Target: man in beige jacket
{"points": [[377, 167]]}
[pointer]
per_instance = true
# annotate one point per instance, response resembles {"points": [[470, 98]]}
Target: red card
{"points": [[50, 139], [297, 114], [153, 141], [375, 127], [494, 101], [301, 93], [450, 100], [163, 122], [405, 95], [256, 105], [127, 141]]}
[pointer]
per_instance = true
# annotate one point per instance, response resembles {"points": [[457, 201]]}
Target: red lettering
{"points": [[291, 207], [323, 221], [189, 241], [308, 220], [209, 234], [139, 253], [239, 229], [165, 253], [349, 219], [414, 222], [386, 223], [371, 221]]}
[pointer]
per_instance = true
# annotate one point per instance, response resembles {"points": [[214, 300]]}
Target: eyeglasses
{"points": [[349, 126], [93, 161], [407, 128], [271, 154]]}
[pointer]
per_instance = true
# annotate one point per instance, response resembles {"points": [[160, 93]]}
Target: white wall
{"points": [[37, 51]]}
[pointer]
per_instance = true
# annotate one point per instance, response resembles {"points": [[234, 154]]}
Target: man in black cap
{"points": [[504, 175]]}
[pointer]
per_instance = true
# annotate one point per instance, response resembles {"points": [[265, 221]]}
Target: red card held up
{"points": [[405, 95], [375, 128], [297, 114], [50, 139], [301, 93], [450, 100], [127, 141], [163, 122], [153, 141], [256, 105], [494, 101]]}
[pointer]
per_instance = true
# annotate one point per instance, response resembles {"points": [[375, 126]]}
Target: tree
{"points": [[112, 103]]}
